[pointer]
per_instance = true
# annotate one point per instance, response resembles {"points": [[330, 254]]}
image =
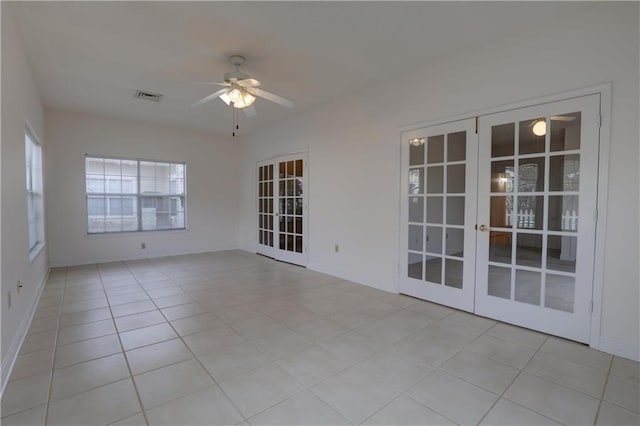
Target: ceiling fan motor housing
{"points": [[234, 76]]}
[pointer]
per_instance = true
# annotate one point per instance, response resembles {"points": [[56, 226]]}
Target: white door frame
{"points": [[275, 252], [604, 90]]}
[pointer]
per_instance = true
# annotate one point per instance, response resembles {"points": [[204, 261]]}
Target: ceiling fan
{"points": [[240, 90], [539, 125]]}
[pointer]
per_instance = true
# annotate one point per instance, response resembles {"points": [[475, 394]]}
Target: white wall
{"points": [[211, 187], [21, 104], [354, 153]]}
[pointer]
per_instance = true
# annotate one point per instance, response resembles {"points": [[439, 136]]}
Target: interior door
{"points": [[282, 208], [537, 183], [266, 203], [438, 213]]}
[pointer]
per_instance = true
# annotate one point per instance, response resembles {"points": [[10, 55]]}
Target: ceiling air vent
{"points": [[148, 96]]}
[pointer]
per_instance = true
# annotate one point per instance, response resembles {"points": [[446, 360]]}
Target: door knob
{"points": [[483, 228]]}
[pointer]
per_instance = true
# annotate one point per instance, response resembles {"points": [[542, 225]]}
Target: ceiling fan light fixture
{"points": [[235, 94], [240, 97], [246, 100], [540, 127]]}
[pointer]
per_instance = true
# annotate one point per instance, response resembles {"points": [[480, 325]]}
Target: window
{"points": [[126, 195], [35, 207]]}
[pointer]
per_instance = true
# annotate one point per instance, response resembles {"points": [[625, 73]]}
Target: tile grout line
{"points": [[280, 294], [55, 347], [350, 365], [516, 376], [124, 354], [604, 388], [215, 382], [380, 350], [274, 361], [501, 396], [100, 357], [402, 394], [566, 385], [437, 368]]}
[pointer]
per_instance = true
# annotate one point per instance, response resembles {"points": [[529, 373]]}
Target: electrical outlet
{"points": [[9, 299], [337, 248], [18, 287], [143, 246]]}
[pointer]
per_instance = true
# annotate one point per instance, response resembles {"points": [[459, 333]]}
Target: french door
{"points": [[537, 198], [529, 205], [439, 205], [282, 208]]}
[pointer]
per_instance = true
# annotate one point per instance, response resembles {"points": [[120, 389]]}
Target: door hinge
{"points": [[591, 306], [595, 216], [599, 120], [476, 125]]}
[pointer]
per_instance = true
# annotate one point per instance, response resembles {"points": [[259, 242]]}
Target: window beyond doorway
{"points": [[35, 205], [129, 195]]}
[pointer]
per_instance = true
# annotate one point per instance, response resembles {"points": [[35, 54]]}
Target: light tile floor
{"points": [[235, 338]]}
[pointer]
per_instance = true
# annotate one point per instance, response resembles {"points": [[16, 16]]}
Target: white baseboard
{"points": [[624, 350], [62, 263], [345, 276], [14, 349]]}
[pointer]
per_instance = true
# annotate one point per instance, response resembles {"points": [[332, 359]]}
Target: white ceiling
{"points": [[92, 56]]}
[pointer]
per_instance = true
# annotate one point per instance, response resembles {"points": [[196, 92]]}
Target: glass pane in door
{"points": [[560, 292], [436, 208], [530, 140], [416, 209], [414, 267], [453, 273], [499, 282], [502, 140], [439, 169], [265, 205], [457, 146], [565, 131], [291, 205], [534, 207]]}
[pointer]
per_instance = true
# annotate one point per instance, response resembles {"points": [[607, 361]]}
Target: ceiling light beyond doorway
{"points": [[540, 127]]}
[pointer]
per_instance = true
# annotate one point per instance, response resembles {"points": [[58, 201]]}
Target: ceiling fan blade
{"points": [[210, 83], [271, 97], [249, 111], [209, 98], [249, 82], [562, 117]]}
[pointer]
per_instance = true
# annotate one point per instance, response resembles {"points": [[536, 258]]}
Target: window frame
{"points": [[138, 195], [34, 188]]}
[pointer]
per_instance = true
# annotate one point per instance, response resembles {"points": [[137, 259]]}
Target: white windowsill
{"points": [[139, 233], [36, 251]]}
